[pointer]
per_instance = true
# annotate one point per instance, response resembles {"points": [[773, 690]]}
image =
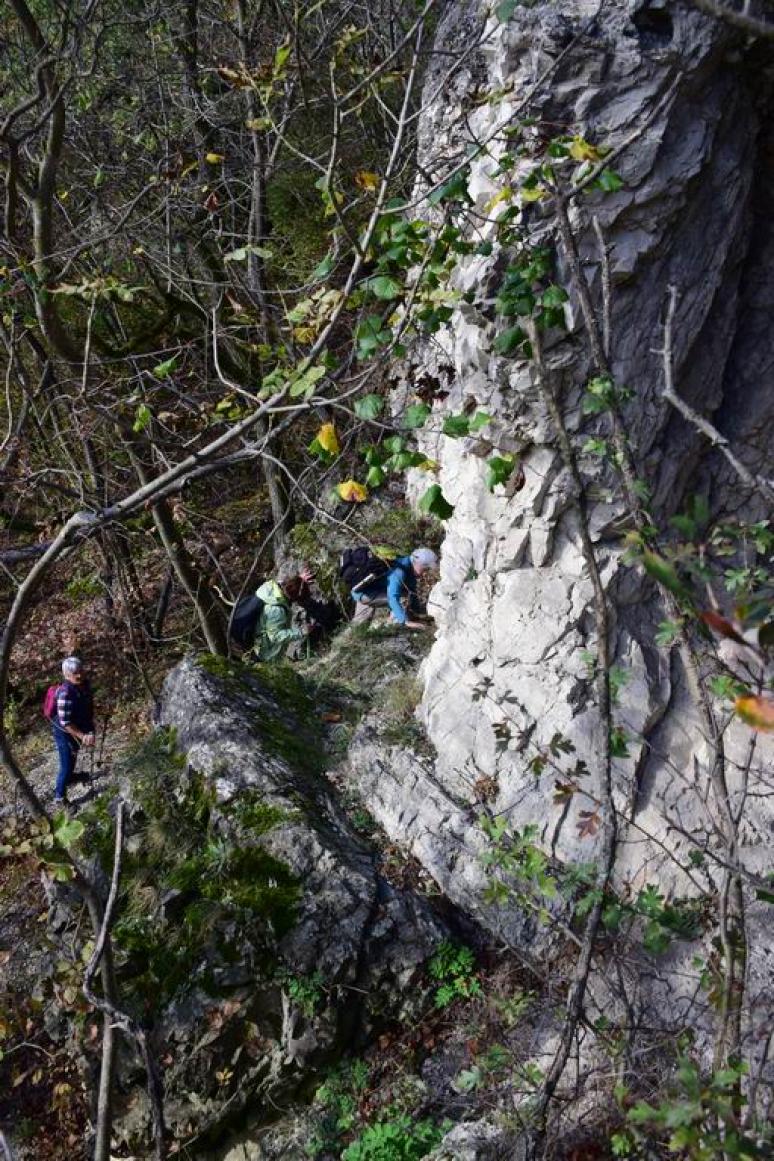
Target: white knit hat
{"points": [[424, 556]]}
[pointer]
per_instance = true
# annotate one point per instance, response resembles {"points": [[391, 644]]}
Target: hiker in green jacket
{"points": [[275, 629]]}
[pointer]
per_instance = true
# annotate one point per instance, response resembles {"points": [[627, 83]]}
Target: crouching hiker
{"points": [[392, 585], [72, 721], [275, 629]]}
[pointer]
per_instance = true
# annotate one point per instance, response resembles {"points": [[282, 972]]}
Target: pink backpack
{"points": [[49, 702]]}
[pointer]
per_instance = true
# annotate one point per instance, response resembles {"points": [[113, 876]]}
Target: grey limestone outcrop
{"points": [[686, 104]]}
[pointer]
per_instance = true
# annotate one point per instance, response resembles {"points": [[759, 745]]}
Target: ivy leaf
{"points": [[375, 477], [456, 426], [479, 420], [757, 712], [370, 335], [453, 190], [369, 407], [165, 369], [554, 296], [416, 416], [435, 503], [403, 460], [384, 287], [500, 468], [305, 383], [609, 181], [510, 341], [352, 492]]}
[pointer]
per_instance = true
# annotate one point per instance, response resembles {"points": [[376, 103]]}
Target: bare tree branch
{"points": [[755, 483]]}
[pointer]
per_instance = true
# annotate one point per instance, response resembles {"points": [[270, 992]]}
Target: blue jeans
{"points": [[67, 748]]}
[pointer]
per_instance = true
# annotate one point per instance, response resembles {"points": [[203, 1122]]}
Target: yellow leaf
{"points": [[502, 195], [305, 334], [757, 712], [366, 180], [353, 492], [533, 193], [428, 466], [581, 150], [214, 158], [328, 440]]}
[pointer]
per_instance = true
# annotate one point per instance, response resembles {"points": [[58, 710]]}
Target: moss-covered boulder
{"points": [[301, 948]]}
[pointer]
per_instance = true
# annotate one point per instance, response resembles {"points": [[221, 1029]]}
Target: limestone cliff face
{"points": [[509, 669]]}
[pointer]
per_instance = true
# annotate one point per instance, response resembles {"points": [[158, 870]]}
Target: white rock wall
{"points": [[513, 605]]}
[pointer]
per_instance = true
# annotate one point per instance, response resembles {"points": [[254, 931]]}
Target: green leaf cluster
{"points": [[453, 966], [397, 1139]]}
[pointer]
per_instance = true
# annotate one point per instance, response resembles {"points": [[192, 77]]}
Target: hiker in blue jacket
{"points": [[72, 722], [396, 589]]}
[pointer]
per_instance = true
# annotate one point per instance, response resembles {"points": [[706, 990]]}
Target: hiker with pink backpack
{"points": [[70, 709]]}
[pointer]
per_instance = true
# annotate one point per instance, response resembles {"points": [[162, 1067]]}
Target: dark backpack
{"points": [[244, 620], [49, 702], [360, 567]]}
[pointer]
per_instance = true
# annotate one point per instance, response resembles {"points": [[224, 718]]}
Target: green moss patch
{"points": [[191, 873]]}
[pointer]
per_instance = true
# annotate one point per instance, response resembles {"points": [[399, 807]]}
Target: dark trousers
{"points": [[67, 748]]}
